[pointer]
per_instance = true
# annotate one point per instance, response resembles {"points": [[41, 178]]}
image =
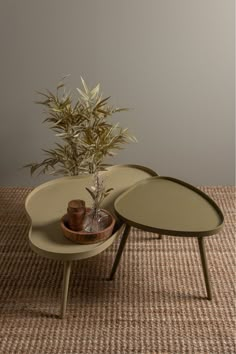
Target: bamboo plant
{"points": [[86, 131], [87, 136]]}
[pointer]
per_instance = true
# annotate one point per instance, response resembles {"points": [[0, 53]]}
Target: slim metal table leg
{"points": [[120, 250], [204, 266], [65, 285]]}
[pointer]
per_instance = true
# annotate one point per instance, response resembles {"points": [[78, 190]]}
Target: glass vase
{"points": [[96, 220]]}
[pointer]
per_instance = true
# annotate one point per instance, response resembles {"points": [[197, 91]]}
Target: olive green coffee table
{"points": [[47, 203], [172, 207]]}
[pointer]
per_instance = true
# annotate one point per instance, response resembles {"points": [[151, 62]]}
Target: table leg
{"points": [[204, 266], [65, 285], [120, 250]]}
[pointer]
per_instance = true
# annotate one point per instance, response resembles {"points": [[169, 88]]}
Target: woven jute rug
{"points": [[155, 304]]}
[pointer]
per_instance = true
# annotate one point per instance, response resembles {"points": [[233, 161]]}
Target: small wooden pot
{"points": [[83, 237]]}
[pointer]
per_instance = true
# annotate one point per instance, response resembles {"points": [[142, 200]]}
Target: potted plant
{"points": [[87, 135], [84, 126]]}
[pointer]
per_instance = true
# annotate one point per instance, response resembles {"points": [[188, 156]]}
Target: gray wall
{"points": [[171, 61]]}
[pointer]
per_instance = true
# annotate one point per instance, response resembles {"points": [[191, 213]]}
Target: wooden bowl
{"points": [[83, 237]]}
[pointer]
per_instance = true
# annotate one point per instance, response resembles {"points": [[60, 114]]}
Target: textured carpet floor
{"points": [[155, 304]]}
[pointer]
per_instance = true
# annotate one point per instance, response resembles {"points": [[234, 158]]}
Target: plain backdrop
{"points": [[170, 61]]}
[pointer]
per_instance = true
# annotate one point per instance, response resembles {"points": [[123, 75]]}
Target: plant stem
{"points": [[75, 158]]}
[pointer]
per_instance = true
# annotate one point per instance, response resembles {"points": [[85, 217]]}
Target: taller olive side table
{"points": [[47, 203], [168, 206]]}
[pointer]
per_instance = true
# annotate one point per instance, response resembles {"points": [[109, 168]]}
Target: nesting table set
{"points": [[140, 198]]}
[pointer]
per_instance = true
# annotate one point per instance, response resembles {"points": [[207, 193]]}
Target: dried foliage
{"points": [[85, 128]]}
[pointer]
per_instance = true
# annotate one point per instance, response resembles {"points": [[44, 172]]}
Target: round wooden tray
{"points": [[83, 237]]}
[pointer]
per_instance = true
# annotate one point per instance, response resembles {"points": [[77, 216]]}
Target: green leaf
{"points": [[42, 94], [60, 85], [102, 111], [91, 193], [121, 110], [84, 85], [95, 91], [102, 102], [109, 190], [46, 102], [84, 96]]}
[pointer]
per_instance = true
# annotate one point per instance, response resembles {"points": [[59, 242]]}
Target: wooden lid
{"points": [[76, 204]]}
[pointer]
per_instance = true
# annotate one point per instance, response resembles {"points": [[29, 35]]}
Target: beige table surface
{"points": [[169, 206], [47, 203]]}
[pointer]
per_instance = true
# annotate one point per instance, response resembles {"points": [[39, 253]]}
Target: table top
{"points": [[47, 203], [170, 207]]}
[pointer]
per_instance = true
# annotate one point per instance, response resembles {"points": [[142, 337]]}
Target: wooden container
{"points": [[76, 212], [83, 237]]}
